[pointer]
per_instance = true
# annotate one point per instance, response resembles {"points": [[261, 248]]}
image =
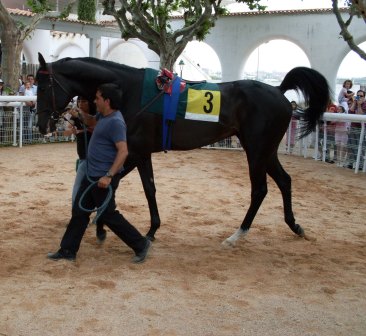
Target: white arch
{"points": [[302, 62], [201, 61], [27, 54], [68, 49], [125, 52]]}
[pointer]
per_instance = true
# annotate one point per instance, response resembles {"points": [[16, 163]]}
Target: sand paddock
{"points": [[271, 283]]}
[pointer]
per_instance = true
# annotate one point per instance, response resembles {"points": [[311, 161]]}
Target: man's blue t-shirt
{"points": [[102, 150]]}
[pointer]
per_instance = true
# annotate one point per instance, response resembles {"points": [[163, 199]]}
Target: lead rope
{"points": [[101, 209]]}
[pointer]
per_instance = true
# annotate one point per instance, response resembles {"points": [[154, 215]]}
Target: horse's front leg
{"points": [[259, 191], [146, 172], [145, 169]]}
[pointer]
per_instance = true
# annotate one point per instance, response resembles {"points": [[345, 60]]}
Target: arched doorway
{"points": [[272, 60], [353, 67], [200, 62]]}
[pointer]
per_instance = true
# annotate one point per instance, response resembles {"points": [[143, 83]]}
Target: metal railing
{"points": [[18, 127], [320, 145], [18, 123]]}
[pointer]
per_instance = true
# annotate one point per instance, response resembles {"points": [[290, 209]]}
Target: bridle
{"points": [[55, 115]]}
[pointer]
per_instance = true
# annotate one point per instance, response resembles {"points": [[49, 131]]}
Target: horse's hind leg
{"points": [[259, 191], [283, 181], [146, 172]]}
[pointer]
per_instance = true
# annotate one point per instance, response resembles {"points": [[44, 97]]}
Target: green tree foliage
{"points": [[151, 22], [86, 10]]}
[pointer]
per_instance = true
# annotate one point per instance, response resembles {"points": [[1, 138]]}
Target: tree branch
{"points": [[347, 36]]}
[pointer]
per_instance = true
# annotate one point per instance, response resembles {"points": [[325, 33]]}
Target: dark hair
{"points": [[347, 81], [92, 106], [112, 92]]}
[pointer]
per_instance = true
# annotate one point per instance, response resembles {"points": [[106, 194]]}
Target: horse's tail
{"points": [[315, 90]]}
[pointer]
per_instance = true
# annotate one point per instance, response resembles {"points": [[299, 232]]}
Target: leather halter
{"points": [[52, 77]]}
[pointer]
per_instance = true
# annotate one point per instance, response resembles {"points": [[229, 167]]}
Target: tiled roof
{"points": [[282, 12], [287, 12], [21, 12]]}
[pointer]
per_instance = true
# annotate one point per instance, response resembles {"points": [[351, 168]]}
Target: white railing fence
{"points": [[18, 123], [18, 128], [321, 144]]}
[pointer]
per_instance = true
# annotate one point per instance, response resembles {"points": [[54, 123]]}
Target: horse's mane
{"points": [[97, 62]]}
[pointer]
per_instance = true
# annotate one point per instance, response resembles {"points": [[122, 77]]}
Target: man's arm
{"points": [[122, 153], [87, 119]]}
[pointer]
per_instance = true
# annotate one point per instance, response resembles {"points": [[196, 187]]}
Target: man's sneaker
{"points": [[62, 254], [141, 256]]}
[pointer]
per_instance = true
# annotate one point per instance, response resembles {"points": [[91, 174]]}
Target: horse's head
{"points": [[52, 96]]}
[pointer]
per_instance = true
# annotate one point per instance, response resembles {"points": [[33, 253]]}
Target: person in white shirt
{"points": [[28, 113]]}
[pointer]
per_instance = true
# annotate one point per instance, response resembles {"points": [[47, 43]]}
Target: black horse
{"points": [[257, 113]]}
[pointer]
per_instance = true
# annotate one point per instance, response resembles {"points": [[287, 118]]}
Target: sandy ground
{"points": [[271, 283]]}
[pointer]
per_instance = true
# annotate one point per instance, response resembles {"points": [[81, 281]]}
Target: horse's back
{"points": [[248, 101]]}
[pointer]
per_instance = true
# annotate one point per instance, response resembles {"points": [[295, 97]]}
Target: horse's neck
{"points": [[89, 75]]}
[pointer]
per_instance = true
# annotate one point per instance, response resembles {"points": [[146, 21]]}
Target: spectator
{"points": [[332, 108], [358, 107], [28, 113], [341, 138], [345, 94], [30, 78], [291, 131]]}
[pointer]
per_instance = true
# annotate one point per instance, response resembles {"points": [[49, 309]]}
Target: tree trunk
{"points": [[12, 35], [12, 47], [169, 51]]}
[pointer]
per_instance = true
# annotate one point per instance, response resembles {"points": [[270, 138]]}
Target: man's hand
{"points": [[104, 182]]}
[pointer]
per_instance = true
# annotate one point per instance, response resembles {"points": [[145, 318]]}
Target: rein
{"points": [[152, 101]]}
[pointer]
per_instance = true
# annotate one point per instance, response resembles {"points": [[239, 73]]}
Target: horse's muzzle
{"points": [[45, 123]]}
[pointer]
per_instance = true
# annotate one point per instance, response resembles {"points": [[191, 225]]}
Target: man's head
{"points": [[109, 94], [360, 95], [30, 78]]}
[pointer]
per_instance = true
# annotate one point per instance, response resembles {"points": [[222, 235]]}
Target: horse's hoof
{"points": [[228, 243], [151, 238], [306, 237], [301, 233]]}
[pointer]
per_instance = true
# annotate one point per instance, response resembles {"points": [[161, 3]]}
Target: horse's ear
{"points": [[41, 60]]}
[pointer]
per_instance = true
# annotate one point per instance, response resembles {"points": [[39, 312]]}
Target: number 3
{"points": [[209, 96]]}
